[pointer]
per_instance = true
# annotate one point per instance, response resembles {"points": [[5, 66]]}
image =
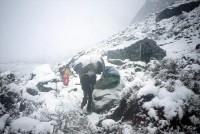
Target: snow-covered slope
{"points": [[178, 35], [155, 97]]}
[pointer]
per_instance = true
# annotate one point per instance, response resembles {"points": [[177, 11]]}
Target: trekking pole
{"points": [[56, 86]]}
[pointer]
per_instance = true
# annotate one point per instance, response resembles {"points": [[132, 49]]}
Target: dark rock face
{"points": [[151, 6], [103, 101], [142, 50], [11, 77], [22, 106], [105, 107], [116, 61], [32, 91], [7, 101], [42, 88], [169, 12], [130, 110], [7, 98], [6, 79], [118, 113], [198, 47]]}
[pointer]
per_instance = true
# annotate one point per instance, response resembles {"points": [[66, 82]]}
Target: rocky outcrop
{"points": [[142, 50], [43, 79], [9, 94], [198, 47], [175, 11], [116, 62], [151, 6], [32, 91], [104, 100], [42, 86]]}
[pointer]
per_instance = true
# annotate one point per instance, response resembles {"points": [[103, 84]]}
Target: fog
{"points": [[42, 30]]}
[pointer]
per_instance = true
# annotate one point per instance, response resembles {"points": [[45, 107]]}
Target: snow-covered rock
{"points": [[26, 124], [109, 125], [3, 120], [105, 99], [43, 76]]}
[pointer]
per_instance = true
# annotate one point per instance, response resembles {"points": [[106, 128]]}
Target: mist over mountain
{"points": [[151, 6]]}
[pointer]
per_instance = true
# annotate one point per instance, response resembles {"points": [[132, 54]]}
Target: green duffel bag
{"points": [[109, 79]]}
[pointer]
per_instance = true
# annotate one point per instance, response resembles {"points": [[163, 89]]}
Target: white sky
{"points": [[44, 29]]}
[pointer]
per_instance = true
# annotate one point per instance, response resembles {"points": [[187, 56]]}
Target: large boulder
{"points": [[151, 6], [47, 86], [44, 80], [104, 100], [142, 50], [6, 78], [32, 91], [116, 62]]}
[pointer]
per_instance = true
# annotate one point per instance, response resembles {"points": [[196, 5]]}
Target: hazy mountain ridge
{"points": [[168, 31], [151, 6]]}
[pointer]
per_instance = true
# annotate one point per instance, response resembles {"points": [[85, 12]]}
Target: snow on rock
{"points": [[151, 130], [152, 113], [127, 129], [171, 101], [3, 120], [26, 124], [149, 88], [93, 118], [195, 120], [5, 73], [194, 67], [14, 88], [105, 99], [2, 109], [51, 85], [140, 63], [109, 124], [43, 73]]}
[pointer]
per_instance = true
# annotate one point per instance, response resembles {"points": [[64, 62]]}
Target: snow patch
{"points": [[109, 124], [3, 120]]}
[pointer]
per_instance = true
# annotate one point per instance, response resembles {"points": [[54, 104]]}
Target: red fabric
{"points": [[66, 81]]}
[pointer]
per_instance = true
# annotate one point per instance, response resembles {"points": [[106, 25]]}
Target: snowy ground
{"points": [[19, 68]]}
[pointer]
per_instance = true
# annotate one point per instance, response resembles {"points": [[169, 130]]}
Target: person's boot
{"points": [[83, 102], [89, 105], [89, 109]]}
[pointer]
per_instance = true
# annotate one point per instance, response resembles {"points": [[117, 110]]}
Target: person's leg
{"points": [[90, 91], [89, 106], [67, 81], [84, 79], [84, 101], [64, 80]]}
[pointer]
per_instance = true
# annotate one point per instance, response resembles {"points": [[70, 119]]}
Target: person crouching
{"points": [[87, 83]]}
